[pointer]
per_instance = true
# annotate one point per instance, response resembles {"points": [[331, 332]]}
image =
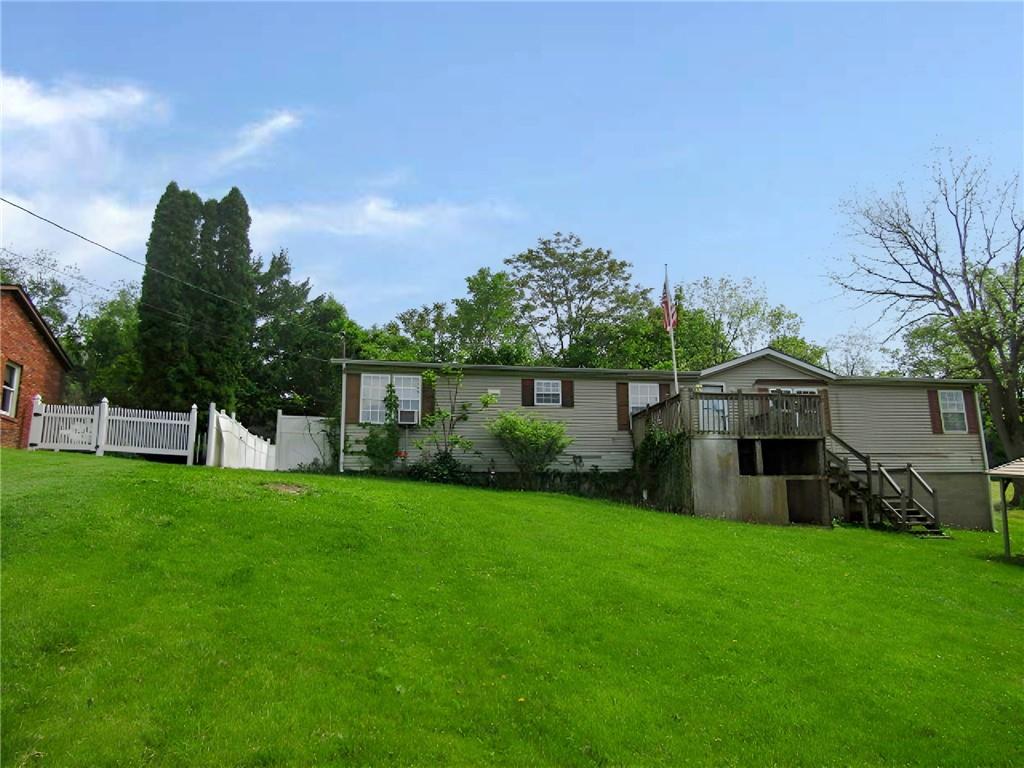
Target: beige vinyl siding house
{"points": [[893, 424], [591, 419], [932, 424], [888, 417]]}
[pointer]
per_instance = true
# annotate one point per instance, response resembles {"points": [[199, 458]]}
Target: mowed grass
{"points": [[168, 615]]}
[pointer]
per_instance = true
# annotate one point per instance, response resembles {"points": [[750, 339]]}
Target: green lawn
{"points": [[167, 615]]}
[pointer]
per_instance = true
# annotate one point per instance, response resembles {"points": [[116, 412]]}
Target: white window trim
{"points": [[634, 405], [15, 389], [962, 410], [418, 410], [364, 385], [558, 392], [389, 378]]}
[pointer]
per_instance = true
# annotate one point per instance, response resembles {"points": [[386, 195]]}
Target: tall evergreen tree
{"points": [[237, 315], [208, 311], [164, 348]]}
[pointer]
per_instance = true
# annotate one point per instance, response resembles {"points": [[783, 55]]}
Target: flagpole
{"points": [[672, 339]]}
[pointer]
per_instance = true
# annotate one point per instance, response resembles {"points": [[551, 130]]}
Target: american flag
{"points": [[668, 307]]}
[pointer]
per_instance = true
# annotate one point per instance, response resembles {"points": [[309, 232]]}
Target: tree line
{"points": [[213, 322]]}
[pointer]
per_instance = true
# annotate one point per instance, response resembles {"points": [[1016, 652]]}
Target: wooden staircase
{"points": [[872, 496]]}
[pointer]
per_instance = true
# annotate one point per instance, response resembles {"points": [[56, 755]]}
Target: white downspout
{"points": [[341, 430], [981, 429]]}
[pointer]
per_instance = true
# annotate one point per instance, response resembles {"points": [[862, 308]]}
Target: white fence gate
{"points": [[229, 444], [101, 428], [302, 440], [63, 427]]}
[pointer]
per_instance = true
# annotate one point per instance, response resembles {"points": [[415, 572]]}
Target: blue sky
{"points": [[393, 149]]}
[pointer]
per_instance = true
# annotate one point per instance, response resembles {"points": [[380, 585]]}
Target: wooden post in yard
{"points": [[739, 412], [1003, 482]]}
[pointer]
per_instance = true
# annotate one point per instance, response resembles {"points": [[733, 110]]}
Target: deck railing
{"points": [[735, 414]]}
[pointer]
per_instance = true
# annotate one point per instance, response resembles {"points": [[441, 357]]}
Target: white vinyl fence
{"points": [[229, 444], [302, 440], [101, 428]]}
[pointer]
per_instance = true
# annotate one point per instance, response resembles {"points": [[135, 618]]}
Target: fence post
{"points": [[101, 426], [101, 411], [35, 429], [193, 420], [211, 436], [277, 436]]}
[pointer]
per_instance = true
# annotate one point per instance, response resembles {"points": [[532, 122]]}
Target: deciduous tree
{"points": [[572, 294], [953, 257], [488, 323]]}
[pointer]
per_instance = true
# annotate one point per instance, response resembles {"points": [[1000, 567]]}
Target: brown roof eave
{"points": [[537, 370], [40, 323]]}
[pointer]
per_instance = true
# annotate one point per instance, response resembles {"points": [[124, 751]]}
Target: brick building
{"points": [[33, 363]]}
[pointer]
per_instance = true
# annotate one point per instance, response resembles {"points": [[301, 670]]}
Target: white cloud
{"points": [[117, 222], [255, 137], [63, 157], [29, 104], [372, 216], [64, 135], [83, 156]]}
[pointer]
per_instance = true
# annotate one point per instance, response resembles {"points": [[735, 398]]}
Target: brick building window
{"points": [[12, 381]]}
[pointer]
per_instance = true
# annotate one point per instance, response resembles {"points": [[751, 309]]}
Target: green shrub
{"points": [[533, 443], [440, 468]]}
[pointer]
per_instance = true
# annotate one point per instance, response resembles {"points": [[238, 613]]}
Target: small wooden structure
{"points": [[1005, 473], [809, 464]]}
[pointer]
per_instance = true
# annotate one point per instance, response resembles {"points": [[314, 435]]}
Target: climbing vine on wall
{"points": [[664, 469]]}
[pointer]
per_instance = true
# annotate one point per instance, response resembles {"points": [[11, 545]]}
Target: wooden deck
{"points": [[735, 414]]}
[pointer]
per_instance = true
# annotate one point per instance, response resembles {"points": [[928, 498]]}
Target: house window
{"points": [[547, 392], [714, 413], [408, 390], [372, 390], [12, 382], [642, 394], [953, 410]]}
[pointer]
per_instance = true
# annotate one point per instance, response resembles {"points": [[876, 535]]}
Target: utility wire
{"points": [[146, 266], [142, 264], [180, 319]]}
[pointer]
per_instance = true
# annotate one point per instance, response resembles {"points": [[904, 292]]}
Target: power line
{"points": [[179, 319], [142, 264], [146, 266]]}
